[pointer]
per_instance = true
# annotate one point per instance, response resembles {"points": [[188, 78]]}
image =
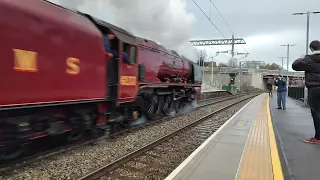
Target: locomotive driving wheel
{"points": [[10, 147], [75, 134], [167, 106], [176, 105], [152, 107], [9, 152]]}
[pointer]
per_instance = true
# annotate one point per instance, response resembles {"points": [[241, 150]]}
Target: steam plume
{"points": [[164, 21]]}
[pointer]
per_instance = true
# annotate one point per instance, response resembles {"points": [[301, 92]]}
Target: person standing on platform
{"points": [[269, 87], [281, 82], [311, 65]]}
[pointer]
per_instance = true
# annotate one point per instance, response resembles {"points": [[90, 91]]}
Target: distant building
{"points": [[210, 64]]}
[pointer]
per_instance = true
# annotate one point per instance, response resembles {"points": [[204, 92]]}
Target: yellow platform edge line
{"points": [[275, 159]]}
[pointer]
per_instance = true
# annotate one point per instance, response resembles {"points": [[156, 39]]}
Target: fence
{"points": [[296, 92]]}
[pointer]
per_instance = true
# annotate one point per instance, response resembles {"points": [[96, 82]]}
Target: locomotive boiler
{"points": [[57, 77]]}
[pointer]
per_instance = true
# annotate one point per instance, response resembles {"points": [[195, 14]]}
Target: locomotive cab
{"points": [[122, 68]]}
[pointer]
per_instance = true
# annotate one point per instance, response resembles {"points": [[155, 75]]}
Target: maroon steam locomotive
{"points": [[57, 78]]}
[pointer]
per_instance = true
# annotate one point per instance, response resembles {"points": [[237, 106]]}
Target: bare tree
{"points": [[202, 55], [272, 66], [252, 64]]}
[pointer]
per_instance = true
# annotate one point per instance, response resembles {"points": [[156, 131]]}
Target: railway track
{"points": [[31, 159], [134, 165], [201, 104]]}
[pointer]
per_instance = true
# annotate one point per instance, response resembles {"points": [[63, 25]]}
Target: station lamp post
{"points": [[288, 53], [282, 64], [308, 13]]}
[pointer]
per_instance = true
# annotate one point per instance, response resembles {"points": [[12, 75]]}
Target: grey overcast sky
{"points": [[263, 24]]}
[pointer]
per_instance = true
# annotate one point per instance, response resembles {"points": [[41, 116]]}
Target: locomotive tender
{"points": [[57, 77]]}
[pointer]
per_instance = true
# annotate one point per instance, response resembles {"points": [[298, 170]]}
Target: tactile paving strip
{"points": [[256, 163]]}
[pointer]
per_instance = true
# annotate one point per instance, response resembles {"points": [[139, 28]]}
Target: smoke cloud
{"points": [[164, 21]]}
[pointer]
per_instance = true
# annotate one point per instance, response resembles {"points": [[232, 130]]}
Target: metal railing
{"points": [[217, 69], [296, 93]]}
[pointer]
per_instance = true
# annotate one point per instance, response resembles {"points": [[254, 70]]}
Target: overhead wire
{"points": [[209, 19], [228, 26], [222, 16], [213, 47]]}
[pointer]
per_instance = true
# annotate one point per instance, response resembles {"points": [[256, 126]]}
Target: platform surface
{"points": [[300, 161], [243, 148]]}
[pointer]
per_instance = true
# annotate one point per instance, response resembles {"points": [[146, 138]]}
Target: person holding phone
{"points": [[281, 83], [311, 65]]}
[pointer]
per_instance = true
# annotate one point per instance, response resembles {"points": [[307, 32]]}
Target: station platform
{"points": [[244, 148], [258, 142], [299, 160]]}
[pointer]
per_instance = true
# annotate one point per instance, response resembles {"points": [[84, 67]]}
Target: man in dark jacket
{"points": [[269, 87], [281, 92], [311, 65]]}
